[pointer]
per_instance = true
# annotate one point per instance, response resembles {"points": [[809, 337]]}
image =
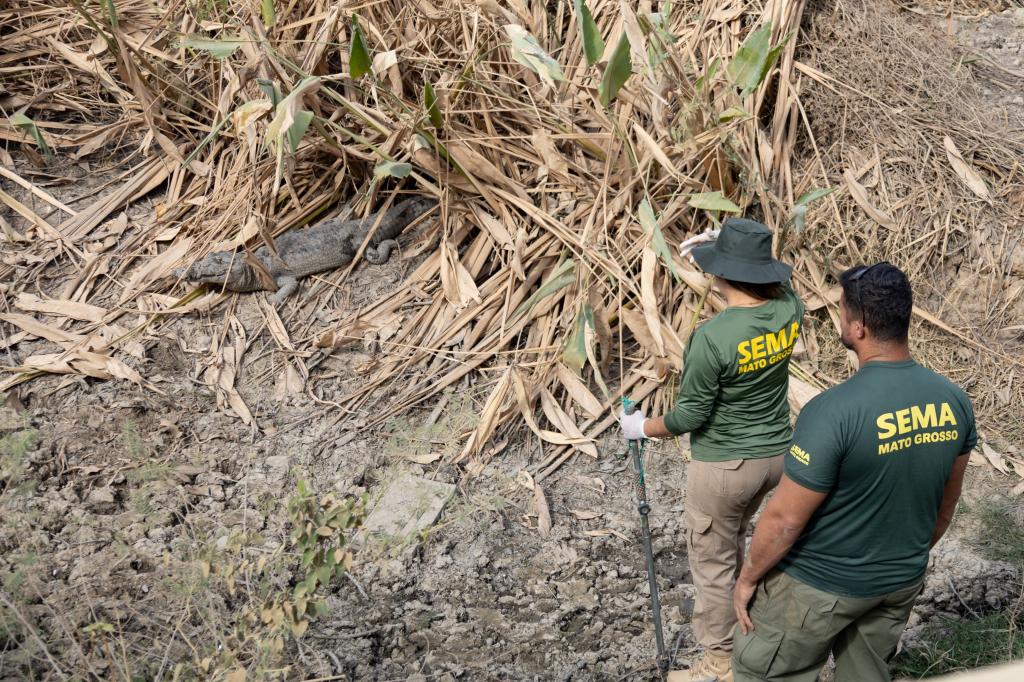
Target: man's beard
{"points": [[846, 343]]}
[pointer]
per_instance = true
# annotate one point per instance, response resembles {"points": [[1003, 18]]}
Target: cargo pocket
{"points": [[722, 481], [757, 650], [817, 608], [698, 535]]}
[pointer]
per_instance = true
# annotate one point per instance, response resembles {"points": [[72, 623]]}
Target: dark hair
{"points": [[880, 296], [763, 292]]}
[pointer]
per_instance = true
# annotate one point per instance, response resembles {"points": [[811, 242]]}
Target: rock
{"points": [[408, 505], [276, 466], [101, 501]]}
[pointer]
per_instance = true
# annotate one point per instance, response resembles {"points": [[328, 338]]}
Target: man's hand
{"points": [[742, 595], [632, 425]]}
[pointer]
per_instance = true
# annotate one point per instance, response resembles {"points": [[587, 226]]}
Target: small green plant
{"points": [[1002, 536], [318, 554], [132, 441], [953, 645], [13, 451]]}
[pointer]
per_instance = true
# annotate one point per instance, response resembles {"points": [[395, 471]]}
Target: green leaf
{"points": [[98, 626], [267, 13], [731, 114], [530, 54], [754, 59], [575, 353], [430, 102], [814, 195], [324, 574], [709, 75], [298, 128], [713, 201], [649, 222], [270, 89], [618, 70], [216, 48], [358, 55], [392, 169], [290, 120], [593, 44], [108, 5], [563, 275], [29, 126]]}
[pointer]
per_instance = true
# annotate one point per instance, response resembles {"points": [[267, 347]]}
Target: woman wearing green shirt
{"points": [[733, 403]]}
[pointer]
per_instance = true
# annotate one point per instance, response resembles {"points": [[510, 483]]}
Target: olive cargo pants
{"points": [[796, 626], [720, 499]]}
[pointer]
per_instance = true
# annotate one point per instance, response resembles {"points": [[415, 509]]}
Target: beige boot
{"points": [[714, 667]]}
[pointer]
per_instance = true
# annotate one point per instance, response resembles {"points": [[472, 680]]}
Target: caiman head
{"points": [[216, 268]]}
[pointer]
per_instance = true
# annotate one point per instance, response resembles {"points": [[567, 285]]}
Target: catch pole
{"points": [[645, 530]]}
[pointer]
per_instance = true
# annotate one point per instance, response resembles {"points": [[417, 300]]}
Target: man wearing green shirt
{"points": [[871, 480], [732, 401]]}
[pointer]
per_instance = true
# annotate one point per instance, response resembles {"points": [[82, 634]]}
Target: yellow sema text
{"points": [[767, 349], [909, 425]]}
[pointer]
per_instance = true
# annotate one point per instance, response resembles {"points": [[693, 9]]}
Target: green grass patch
{"points": [[999, 535], [954, 645]]}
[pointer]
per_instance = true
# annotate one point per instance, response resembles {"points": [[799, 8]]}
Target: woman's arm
{"points": [[698, 391]]}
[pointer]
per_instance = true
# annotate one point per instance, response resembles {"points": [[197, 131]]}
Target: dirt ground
{"points": [[110, 496]]}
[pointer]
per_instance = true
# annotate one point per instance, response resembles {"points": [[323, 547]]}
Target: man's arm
{"points": [[950, 496], [780, 525]]}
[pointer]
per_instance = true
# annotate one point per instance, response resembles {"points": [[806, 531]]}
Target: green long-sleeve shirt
{"points": [[732, 397]]}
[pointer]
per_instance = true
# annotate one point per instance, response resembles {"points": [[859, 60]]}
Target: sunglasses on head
{"points": [[856, 277]]}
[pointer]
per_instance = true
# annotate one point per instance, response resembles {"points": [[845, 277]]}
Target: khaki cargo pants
{"points": [[720, 499], [796, 626]]}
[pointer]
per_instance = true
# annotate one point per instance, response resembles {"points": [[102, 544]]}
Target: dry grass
{"points": [[534, 178]]}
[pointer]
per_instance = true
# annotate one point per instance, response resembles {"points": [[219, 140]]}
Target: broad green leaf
{"points": [[731, 114], [29, 126], [754, 59], [713, 201], [575, 353], [218, 48], [530, 54], [562, 277], [430, 101], [814, 195], [709, 75], [358, 56], [615, 74], [593, 44], [392, 169], [290, 120], [297, 129], [267, 13], [649, 222], [270, 89]]}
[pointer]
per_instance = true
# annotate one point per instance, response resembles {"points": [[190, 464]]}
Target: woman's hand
{"points": [[632, 425]]}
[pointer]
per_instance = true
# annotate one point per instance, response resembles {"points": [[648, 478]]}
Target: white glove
{"points": [[687, 246], [632, 425]]}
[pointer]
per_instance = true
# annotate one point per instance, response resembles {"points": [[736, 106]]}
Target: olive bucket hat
{"points": [[742, 253]]}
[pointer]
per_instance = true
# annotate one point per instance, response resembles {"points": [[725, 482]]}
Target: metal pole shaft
{"points": [[644, 508]]}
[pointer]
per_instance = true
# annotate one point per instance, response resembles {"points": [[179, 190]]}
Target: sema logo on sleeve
{"points": [[909, 424], [767, 349], [799, 454]]}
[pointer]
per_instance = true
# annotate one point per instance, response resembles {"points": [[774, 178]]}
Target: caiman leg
{"points": [[379, 254], [286, 286]]}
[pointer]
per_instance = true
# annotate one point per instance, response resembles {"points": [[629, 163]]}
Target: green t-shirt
{"points": [[732, 396], [882, 445]]}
